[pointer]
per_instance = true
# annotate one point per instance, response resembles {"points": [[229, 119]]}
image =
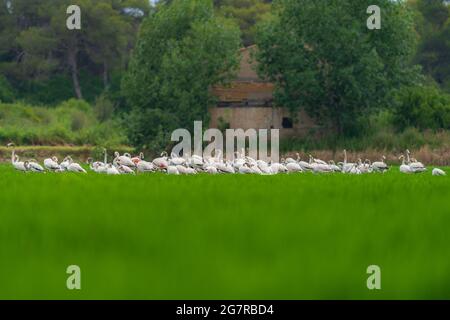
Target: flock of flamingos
{"points": [[242, 164]]}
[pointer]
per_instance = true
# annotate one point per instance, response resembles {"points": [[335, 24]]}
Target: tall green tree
{"points": [[183, 49], [323, 58], [36, 43], [247, 14], [433, 25]]}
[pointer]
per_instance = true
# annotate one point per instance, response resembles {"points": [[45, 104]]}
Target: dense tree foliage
{"points": [[323, 58], [182, 50], [35, 44], [247, 13], [433, 25], [319, 53], [422, 107]]}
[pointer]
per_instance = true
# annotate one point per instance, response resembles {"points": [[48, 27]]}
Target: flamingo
{"points": [[15, 161], [225, 168], [65, 163], [176, 160], [20, 165], [321, 168], [211, 170], [138, 159], [278, 168], [416, 166], [125, 169], [313, 160], [293, 167], [74, 167], [346, 166], [290, 160], [334, 167], [185, 170], [264, 167], [196, 161], [438, 172], [112, 170], [365, 167], [405, 168], [34, 166], [144, 166], [355, 169], [255, 169], [98, 167], [172, 170], [124, 160], [380, 166], [52, 164], [162, 162], [245, 169], [305, 165]]}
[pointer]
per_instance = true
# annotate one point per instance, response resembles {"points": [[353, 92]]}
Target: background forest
{"points": [[138, 69]]}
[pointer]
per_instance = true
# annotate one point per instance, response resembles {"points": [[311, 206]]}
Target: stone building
{"points": [[247, 102]]}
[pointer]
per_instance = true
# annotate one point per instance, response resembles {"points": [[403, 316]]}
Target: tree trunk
{"points": [[72, 57]]}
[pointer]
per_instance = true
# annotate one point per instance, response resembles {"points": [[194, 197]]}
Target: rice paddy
{"points": [[297, 236]]}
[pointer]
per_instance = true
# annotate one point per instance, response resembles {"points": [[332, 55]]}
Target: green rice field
{"points": [[301, 236]]}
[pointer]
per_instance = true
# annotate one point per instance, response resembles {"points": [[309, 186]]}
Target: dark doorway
{"points": [[287, 123]]}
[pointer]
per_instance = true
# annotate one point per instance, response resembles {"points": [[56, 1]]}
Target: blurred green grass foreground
{"points": [[224, 237]]}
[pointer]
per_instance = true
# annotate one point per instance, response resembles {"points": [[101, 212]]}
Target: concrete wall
{"points": [[261, 118]]}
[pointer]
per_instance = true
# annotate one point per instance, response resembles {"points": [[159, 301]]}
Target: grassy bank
{"points": [[73, 122], [224, 237]]}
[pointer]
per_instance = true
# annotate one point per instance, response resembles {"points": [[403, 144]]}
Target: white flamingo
{"points": [[75, 167], [125, 169], [211, 170], [380, 166], [438, 172], [15, 161], [162, 162], [346, 166], [52, 164], [65, 163], [278, 168], [112, 170], [34, 166], [144, 166], [305, 165], [405, 168], [98, 167], [293, 167], [124, 160], [175, 160], [225, 168], [354, 169], [417, 166], [318, 161], [334, 167], [172, 170], [245, 169]]}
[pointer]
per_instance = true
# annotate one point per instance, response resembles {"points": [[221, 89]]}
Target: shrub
{"points": [[103, 108], [422, 108], [411, 138], [6, 91], [75, 104], [79, 120], [72, 122]]}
